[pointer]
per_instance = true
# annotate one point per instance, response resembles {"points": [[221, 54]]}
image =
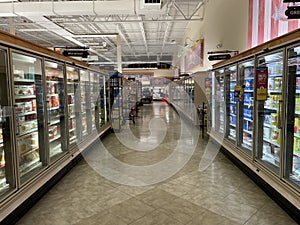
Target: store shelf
{"points": [[271, 142], [71, 116], [53, 81], [24, 80], [53, 122], [25, 114], [233, 125], [30, 166], [297, 135], [17, 97], [29, 151], [270, 108], [231, 114], [71, 104], [247, 119], [270, 126], [249, 91], [296, 154], [247, 131], [275, 91], [56, 150], [28, 133], [248, 104], [55, 138], [53, 108], [275, 75]]}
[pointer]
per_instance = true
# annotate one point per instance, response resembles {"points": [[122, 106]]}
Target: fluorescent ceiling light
{"points": [[32, 30], [96, 35], [8, 0]]}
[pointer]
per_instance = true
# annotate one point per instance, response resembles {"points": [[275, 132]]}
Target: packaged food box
{"points": [[249, 84], [271, 85], [275, 135], [20, 107], [249, 72], [247, 98], [274, 119], [296, 162], [296, 123], [28, 106], [267, 132], [266, 148], [297, 145], [232, 109], [278, 83], [298, 83]]}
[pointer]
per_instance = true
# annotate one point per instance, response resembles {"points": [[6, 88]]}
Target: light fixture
{"points": [[95, 35], [104, 44], [186, 44]]}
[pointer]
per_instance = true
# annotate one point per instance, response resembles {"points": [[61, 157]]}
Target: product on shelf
{"points": [[53, 132], [23, 90]]}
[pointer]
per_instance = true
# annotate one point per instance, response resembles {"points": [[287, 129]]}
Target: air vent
{"points": [[151, 1], [151, 4]]}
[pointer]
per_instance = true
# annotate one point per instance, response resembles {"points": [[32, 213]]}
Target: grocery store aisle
{"points": [[221, 194]]}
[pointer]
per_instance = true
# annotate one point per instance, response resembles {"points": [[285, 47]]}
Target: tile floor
{"points": [[220, 195]]}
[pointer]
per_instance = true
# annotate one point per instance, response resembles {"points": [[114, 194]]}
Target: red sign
{"points": [[262, 83]]}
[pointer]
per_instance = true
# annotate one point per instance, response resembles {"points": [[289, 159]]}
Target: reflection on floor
{"points": [[221, 194]]}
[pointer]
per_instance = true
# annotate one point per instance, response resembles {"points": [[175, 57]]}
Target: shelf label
{"points": [[262, 83]]}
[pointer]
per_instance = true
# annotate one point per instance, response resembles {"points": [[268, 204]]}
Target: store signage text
{"points": [[219, 57], [76, 53], [293, 12]]}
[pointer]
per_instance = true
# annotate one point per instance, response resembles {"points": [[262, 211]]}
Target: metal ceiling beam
{"points": [[144, 36]]}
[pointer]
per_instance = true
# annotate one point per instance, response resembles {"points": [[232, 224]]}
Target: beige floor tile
{"points": [[130, 210], [182, 210], [232, 210], [156, 198], [156, 218], [112, 198], [177, 190], [211, 218], [270, 218], [103, 218]]}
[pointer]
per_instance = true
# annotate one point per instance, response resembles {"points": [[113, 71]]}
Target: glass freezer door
{"points": [[220, 102], [73, 93], [7, 179], [292, 134], [94, 93], [246, 105], [56, 109], [84, 102], [231, 106], [29, 107], [269, 111]]}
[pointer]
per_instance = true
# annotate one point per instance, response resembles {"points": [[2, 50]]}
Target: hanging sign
{"points": [[76, 53], [285, 1], [262, 83], [219, 57], [293, 12]]}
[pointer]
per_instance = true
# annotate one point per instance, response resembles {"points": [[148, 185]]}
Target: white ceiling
{"points": [[149, 34]]}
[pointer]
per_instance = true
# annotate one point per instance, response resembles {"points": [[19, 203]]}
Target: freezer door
{"points": [[57, 115], [231, 103], [292, 134], [7, 178], [220, 106], [269, 109], [246, 106], [73, 93], [30, 116]]}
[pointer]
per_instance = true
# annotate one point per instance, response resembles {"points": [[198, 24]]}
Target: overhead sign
{"points": [[76, 53], [219, 57], [285, 1], [293, 12]]}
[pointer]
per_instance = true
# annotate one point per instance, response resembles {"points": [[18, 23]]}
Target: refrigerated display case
{"points": [[231, 103], [94, 98], [269, 111], [29, 107], [57, 118], [220, 105], [116, 85], [73, 93], [246, 106], [84, 102], [103, 103], [292, 134], [7, 178]]}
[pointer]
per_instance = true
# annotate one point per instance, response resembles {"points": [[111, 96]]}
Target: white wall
{"points": [[226, 22]]}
